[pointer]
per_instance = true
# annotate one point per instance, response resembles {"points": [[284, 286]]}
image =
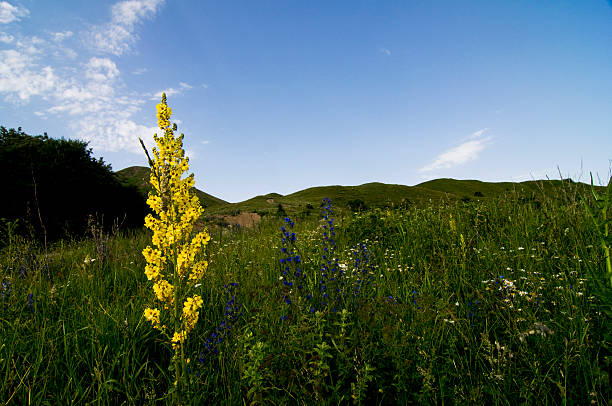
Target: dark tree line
{"points": [[54, 185]]}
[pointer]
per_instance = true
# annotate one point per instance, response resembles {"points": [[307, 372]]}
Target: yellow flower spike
{"points": [[174, 262]]}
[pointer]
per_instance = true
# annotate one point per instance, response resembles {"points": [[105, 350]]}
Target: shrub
{"points": [[55, 184]]}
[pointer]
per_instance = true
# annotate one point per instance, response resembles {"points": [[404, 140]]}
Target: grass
{"points": [[459, 302]]}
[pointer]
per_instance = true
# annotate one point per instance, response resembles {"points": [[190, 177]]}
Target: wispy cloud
{"points": [[61, 36], [468, 150], [385, 51], [171, 91], [140, 71], [10, 13], [118, 36], [21, 77], [89, 95], [6, 38]]}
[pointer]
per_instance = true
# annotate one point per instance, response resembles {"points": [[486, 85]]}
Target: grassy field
{"points": [[497, 301]]}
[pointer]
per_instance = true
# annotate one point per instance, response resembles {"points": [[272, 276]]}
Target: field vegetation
{"points": [[498, 301], [383, 294]]}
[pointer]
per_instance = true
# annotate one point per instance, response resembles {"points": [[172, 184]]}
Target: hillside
{"points": [[377, 194], [139, 176], [475, 189], [369, 195], [469, 188], [372, 194]]}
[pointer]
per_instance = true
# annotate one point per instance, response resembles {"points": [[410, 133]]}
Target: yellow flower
{"points": [[174, 263], [163, 114], [190, 312], [178, 339], [164, 291], [152, 315]]}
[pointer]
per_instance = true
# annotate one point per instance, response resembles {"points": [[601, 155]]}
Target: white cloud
{"points": [[191, 153], [465, 152], [140, 71], [171, 91], [88, 95], [60, 36], [117, 36], [10, 13], [6, 38], [22, 78], [101, 69], [385, 51], [31, 45], [205, 142], [477, 134], [119, 134], [67, 52], [89, 98]]}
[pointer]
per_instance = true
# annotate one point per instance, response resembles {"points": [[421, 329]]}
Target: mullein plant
{"points": [[174, 263]]}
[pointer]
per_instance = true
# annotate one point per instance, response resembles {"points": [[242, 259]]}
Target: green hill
{"points": [[139, 176], [372, 194], [369, 195], [478, 189], [377, 194], [469, 188]]}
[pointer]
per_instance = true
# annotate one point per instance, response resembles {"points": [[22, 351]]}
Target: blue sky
{"points": [[278, 96]]}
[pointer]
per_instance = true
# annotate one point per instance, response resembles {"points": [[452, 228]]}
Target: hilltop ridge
{"points": [[368, 195]]}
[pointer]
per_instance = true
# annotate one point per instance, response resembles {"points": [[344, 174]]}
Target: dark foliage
{"points": [[55, 184], [357, 205]]}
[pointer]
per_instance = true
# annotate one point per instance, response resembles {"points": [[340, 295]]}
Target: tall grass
{"points": [[486, 302]]}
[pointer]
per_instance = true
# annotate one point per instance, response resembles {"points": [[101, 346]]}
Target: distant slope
{"points": [[371, 194], [139, 177], [478, 189], [385, 195], [469, 188]]}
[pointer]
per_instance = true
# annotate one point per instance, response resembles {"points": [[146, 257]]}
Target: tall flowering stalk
{"points": [[331, 279], [174, 263]]}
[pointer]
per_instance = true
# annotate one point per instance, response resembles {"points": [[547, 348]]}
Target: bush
{"points": [[55, 184], [357, 205]]}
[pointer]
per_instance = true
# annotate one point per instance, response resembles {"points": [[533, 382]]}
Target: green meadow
{"points": [[446, 297]]}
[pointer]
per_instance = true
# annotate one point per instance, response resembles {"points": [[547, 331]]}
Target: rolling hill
{"points": [[469, 188], [139, 176], [369, 195], [481, 190]]}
